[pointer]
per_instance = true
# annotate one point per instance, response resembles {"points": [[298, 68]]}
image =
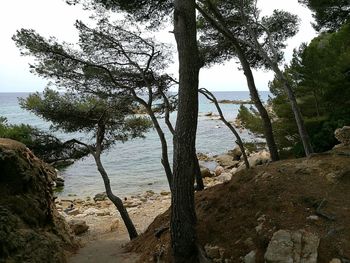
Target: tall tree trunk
{"points": [[219, 24], [183, 215], [268, 132], [115, 199], [198, 175], [272, 60], [304, 136]]}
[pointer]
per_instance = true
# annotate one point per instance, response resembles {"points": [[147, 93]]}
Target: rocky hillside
{"points": [[288, 211], [30, 228]]}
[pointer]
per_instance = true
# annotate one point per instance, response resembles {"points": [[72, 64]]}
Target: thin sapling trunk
{"points": [[239, 141]]}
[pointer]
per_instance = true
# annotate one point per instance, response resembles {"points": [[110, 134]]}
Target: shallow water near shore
{"points": [[134, 166]]}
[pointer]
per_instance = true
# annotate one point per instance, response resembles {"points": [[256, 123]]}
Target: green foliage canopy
{"points": [[272, 31], [44, 145], [330, 15], [72, 112], [319, 74]]}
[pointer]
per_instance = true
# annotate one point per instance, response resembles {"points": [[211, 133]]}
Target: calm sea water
{"points": [[134, 166]]}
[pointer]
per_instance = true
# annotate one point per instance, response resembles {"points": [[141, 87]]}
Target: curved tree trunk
{"points": [[272, 60], [268, 132], [165, 158], [115, 199], [183, 216], [161, 135], [239, 141]]}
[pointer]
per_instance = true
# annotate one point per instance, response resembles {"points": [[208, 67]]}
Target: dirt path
{"points": [[104, 240], [108, 249]]}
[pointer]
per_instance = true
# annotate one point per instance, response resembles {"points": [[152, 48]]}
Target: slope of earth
{"points": [[240, 217], [31, 230]]}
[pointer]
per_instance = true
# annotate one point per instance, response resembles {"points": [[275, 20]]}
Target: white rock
{"points": [[73, 212], [262, 218], [129, 204], [103, 213], [224, 177], [259, 227], [236, 153], [219, 170], [78, 226], [250, 257], [343, 135], [226, 160], [313, 218], [213, 252], [233, 170], [292, 247], [91, 211], [259, 158]]}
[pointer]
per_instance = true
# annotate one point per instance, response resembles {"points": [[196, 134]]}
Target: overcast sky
{"points": [[55, 18]]}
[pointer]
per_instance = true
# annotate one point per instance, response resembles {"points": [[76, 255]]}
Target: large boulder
{"points": [[343, 135], [259, 158], [100, 197], [219, 170], [31, 229], [236, 153], [226, 160], [292, 247], [224, 177], [78, 226]]}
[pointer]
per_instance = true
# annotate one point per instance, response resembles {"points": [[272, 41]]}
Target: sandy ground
{"points": [[108, 249], [107, 235]]}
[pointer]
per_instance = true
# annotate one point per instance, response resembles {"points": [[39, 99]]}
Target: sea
{"points": [[135, 166]]}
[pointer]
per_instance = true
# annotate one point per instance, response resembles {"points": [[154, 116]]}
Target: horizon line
{"points": [[171, 91]]}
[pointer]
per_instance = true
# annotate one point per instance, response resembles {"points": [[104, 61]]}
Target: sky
{"points": [[56, 18]]}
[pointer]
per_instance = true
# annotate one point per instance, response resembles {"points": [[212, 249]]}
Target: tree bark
{"points": [[198, 174], [304, 136], [115, 199], [268, 132], [273, 63], [183, 216], [163, 141]]}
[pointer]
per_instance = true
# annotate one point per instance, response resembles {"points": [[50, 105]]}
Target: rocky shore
{"points": [[229, 164], [239, 102], [255, 213], [92, 217]]}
